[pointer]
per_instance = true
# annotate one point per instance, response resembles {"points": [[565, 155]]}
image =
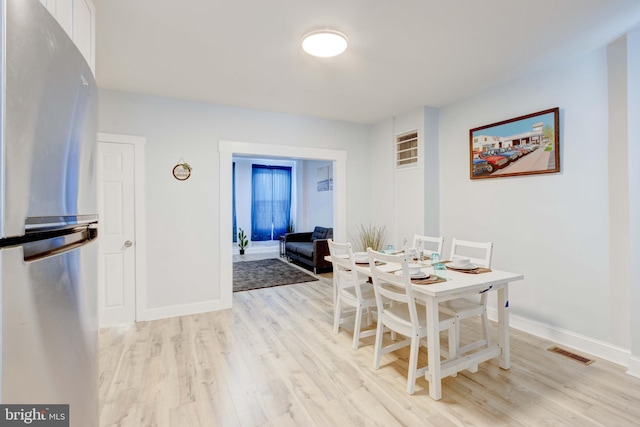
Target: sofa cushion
{"points": [[305, 250], [300, 248], [319, 233]]}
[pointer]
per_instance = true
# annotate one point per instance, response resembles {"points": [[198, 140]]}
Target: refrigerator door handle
{"points": [[54, 242]]}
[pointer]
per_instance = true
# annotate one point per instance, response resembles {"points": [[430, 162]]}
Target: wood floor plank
{"points": [[273, 361]]}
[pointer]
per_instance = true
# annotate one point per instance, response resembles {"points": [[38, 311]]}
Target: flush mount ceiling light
{"points": [[324, 43]]}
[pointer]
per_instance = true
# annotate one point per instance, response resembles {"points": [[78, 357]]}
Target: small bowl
{"points": [[414, 268], [460, 261]]}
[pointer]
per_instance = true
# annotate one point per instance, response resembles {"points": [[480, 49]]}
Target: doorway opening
{"points": [[227, 150]]}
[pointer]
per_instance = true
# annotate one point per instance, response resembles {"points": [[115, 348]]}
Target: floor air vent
{"points": [[570, 355]]}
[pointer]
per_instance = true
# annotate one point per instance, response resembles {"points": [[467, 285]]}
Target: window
{"points": [[407, 149], [270, 202]]}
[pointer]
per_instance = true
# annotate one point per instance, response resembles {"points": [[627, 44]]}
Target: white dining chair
{"points": [[433, 244], [401, 316], [479, 254], [352, 289]]}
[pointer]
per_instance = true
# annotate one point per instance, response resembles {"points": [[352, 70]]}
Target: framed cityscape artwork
{"points": [[523, 145]]}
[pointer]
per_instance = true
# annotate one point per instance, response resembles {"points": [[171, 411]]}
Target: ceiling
{"points": [[402, 53]]}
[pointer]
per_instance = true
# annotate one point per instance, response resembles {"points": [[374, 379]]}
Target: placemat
{"points": [[478, 270], [429, 280], [367, 263]]}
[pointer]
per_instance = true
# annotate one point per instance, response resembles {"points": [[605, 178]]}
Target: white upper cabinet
{"points": [[77, 17]]}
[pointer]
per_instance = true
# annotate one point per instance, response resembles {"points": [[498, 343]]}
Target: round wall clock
{"points": [[181, 171]]}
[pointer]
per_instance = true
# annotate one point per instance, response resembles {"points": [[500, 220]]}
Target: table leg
{"points": [[434, 373], [503, 326]]}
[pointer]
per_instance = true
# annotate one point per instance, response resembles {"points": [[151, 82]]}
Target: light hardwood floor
{"points": [[273, 361]]}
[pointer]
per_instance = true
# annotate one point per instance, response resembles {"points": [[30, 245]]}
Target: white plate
{"points": [[466, 267], [420, 275]]}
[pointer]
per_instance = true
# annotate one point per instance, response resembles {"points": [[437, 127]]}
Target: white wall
{"points": [[399, 193], [317, 205], [553, 228], [183, 218], [409, 182], [383, 178], [618, 201], [431, 172], [633, 113]]}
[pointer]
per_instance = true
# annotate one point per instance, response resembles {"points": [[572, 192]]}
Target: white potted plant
{"points": [[371, 236]]}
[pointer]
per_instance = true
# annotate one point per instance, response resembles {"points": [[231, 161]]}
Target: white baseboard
{"points": [[258, 250], [633, 368], [570, 339], [262, 250], [182, 310]]}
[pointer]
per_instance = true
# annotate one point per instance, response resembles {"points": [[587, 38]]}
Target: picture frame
{"points": [[181, 172], [525, 145], [325, 179]]}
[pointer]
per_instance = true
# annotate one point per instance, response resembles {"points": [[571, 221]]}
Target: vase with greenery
{"points": [[242, 240], [371, 236]]}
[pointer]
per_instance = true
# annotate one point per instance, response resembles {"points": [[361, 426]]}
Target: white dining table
{"points": [[460, 284]]}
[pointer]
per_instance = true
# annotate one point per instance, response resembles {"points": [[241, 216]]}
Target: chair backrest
{"points": [[393, 287], [344, 268], [430, 244], [479, 253]]}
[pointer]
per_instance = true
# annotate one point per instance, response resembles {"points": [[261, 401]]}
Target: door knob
{"points": [[128, 244]]}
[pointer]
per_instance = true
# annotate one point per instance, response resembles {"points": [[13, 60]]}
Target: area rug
{"points": [[266, 273]]}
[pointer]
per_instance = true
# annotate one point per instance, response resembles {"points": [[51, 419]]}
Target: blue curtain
{"points": [[233, 203], [281, 200], [270, 202], [262, 192]]}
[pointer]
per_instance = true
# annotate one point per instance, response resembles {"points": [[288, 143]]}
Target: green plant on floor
{"points": [[291, 228], [242, 240], [371, 236]]}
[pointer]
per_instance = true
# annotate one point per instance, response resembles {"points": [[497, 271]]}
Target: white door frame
{"points": [[227, 149], [140, 246]]}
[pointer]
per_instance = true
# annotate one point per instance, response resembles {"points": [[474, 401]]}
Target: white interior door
{"points": [[116, 207]]}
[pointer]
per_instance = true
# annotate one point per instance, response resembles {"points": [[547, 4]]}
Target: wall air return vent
{"points": [[407, 150]]}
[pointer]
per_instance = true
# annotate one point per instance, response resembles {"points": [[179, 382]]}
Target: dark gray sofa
{"points": [[309, 248]]}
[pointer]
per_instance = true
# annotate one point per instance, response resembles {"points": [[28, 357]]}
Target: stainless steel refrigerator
{"points": [[48, 216]]}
